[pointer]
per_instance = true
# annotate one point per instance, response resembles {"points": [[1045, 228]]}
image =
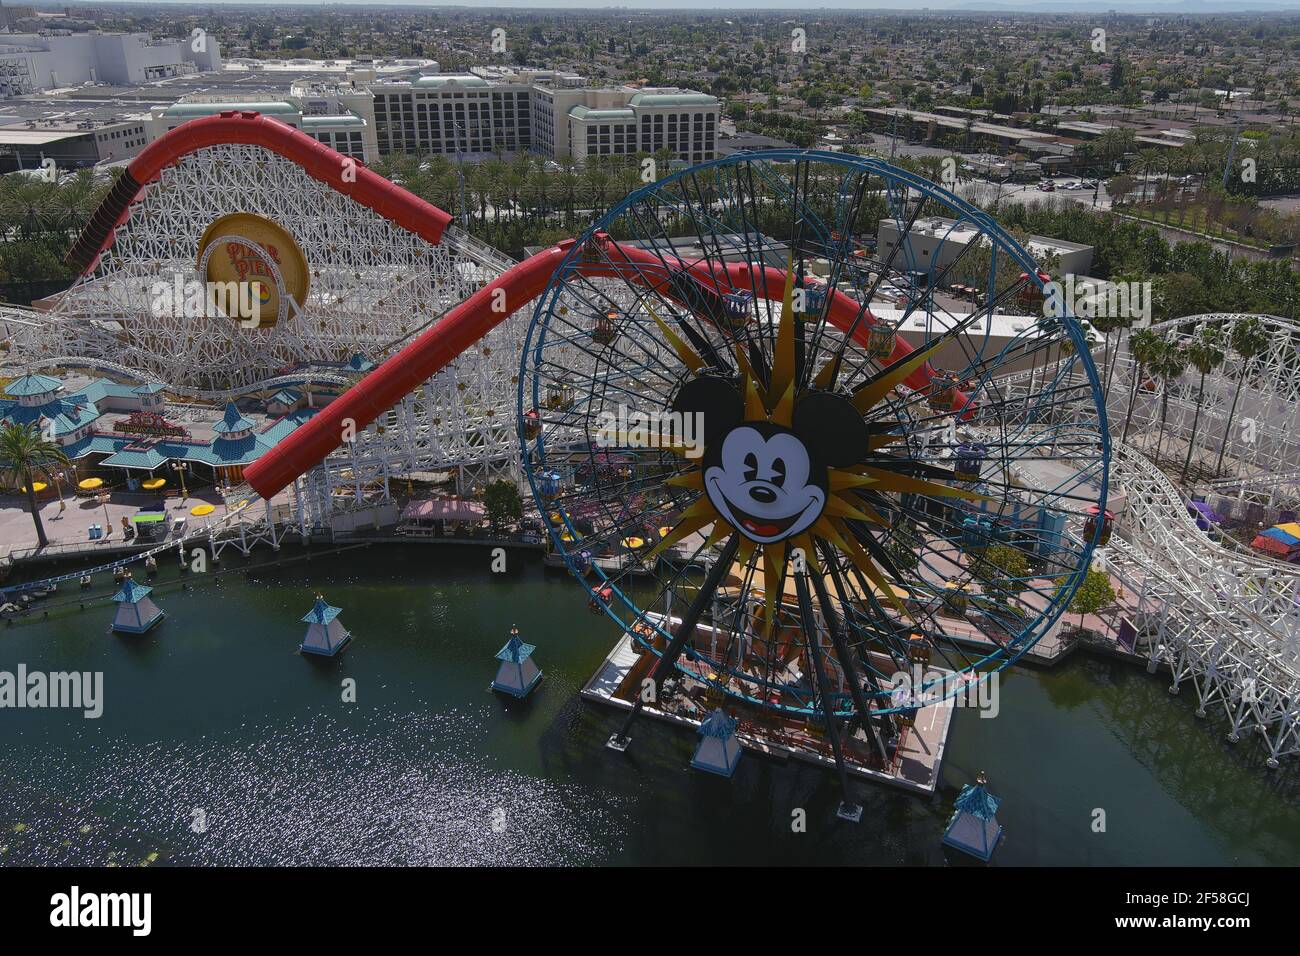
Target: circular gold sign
{"points": [[254, 269]]}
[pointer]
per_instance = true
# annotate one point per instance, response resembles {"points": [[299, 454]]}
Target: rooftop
{"points": [[32, 384], [266, 107], [450, 79]]}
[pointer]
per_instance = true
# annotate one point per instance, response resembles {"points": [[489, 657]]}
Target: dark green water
{"points": [[214, 711]]}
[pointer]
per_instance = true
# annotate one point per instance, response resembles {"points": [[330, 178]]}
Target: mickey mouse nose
{"points": [[762, 495]]}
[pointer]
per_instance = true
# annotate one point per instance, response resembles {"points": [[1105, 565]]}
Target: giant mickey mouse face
{"points": [[767, 481], [764, 482]]}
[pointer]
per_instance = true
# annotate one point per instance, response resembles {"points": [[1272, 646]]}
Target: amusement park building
{"points": [[30, 62], [102, 424], [340, 115], [934, 242], [71, 145]]}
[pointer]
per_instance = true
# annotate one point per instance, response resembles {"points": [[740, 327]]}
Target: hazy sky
{"points": [[1060, 6]]}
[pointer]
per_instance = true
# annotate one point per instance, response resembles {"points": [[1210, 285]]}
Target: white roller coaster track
{"points": [[1226, 622], [1219, 616]]}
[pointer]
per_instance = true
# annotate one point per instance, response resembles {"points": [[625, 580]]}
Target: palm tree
{"points": [[1170, 363], [25, 453], [1206, 354], [1248, 338], [1106, 324], [1145, 346]]}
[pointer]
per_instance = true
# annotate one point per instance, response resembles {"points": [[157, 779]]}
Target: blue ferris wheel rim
{"points": [[1002, 655]]}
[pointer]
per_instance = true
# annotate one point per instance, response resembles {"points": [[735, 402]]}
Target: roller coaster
{"points": [[445, 320]]}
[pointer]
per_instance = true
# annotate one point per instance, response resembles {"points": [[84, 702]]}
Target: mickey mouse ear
{"points": [[831, 428], [715, 398]]}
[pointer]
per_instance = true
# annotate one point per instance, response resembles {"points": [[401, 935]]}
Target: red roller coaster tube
{"points": [[316, 159], [383, 388], [468, 322]]}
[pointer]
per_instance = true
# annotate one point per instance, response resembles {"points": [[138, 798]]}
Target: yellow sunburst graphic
{"points": [[774, 405]]}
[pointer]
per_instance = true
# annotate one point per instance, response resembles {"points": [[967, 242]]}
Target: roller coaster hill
{"points": [[489, 368]]}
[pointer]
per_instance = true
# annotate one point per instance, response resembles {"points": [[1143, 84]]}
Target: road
{"points": [[989, 195]]}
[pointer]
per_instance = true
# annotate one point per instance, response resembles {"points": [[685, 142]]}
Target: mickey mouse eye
{"points": [[778, 472], [751, 467]]}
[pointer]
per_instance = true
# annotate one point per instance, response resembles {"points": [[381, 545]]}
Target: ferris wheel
{"points": [[801, 422]]}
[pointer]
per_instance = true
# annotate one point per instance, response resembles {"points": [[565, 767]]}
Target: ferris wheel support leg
{"points": [[842, 654], [848, 809], [684, 632]]}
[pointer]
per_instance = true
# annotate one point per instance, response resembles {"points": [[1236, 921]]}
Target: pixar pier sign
{"points": [[250, 269]]}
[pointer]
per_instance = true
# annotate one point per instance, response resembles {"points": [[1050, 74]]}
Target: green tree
{"points": [[24, 454], [1004, 570], [1095, 592], [503, 503], [903, 545], [1169, 364]]}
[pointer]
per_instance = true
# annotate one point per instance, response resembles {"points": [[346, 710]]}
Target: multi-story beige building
{"points": [[611, 122], [492, 110], [454, 113], [340, 115]]}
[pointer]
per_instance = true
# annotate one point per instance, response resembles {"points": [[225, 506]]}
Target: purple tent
{"points": [[1206, 517]]}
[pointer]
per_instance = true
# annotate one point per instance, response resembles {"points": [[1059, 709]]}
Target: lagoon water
{"points": [[220, 745]]}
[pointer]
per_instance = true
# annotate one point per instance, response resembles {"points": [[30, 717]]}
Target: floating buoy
{"points": [[135, 612], [326, 634], [719, 750], [518, 674], [974, 827]]}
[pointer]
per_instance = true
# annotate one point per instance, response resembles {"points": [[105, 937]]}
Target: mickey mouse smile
{"points": [[763, 483]]}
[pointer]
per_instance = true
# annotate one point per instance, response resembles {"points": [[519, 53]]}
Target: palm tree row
{"points": [[491, 195], [1155, 358], [32, 207]]}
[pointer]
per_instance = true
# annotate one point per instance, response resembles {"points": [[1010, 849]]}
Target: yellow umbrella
{"points": [[200, 510], [90, 484], [153, 484], [37, 486], [633, 543], [665, 531]]}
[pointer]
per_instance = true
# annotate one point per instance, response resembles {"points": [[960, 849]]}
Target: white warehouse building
{"points": [[30, 62]]}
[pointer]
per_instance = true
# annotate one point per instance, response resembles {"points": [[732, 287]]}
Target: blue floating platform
{"points": [[518, 673], [973, 828]]}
